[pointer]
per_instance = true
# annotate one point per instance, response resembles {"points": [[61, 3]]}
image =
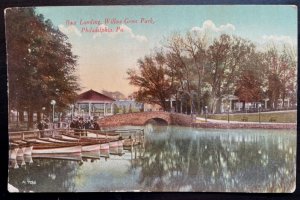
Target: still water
{"points": [[174, 159]]}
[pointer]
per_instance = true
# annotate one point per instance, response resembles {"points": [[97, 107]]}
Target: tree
{"points": [[226, 55], [130, 108], [180, 68], [281, 73], [41, 64], [249, 86], [155, 86], [114, 95], [187, 59], [124, 109], [116, 109]]}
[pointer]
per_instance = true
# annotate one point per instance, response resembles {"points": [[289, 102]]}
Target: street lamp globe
{"points": [[53, 102]]}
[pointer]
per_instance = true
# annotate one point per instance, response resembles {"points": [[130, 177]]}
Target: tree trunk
{"points": [[275, 103], [39, 116], [218, 105], [30, 120], [21, 116], [283, 98]]}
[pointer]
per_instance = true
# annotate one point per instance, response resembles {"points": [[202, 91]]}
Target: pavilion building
{"points": [[92, 104]]}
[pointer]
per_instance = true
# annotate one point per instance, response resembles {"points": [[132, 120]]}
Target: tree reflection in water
{"points": [[180, 159], [175, 159], [45, 175]]}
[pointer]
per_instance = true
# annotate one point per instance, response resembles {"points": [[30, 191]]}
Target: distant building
{"points": [[152, 107], [93, 104], [128, 104], [233, 104]]}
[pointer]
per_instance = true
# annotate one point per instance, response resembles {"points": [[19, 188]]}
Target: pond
{"points": [[174, 159]]}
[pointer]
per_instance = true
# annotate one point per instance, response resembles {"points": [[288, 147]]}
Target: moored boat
{"points": [[64, 156], [56, 148], [38, 141], [104, 153], [103, 135], [13, 152], [91, 154], [116, 143], [104, 143], [91, 147], [24, 147], [86, 145], [116, 151]]}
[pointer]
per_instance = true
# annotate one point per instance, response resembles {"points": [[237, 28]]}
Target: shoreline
{"points": [[221, 125]]}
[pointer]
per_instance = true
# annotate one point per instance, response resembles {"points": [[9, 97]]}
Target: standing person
{"points": [[96, 126], [41, 128], [87, 124]]}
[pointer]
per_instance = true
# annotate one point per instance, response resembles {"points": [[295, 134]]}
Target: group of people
{"points": [[42, 125], [77, 123], [84, 124]]}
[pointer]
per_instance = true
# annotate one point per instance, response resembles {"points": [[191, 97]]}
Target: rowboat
{"points": [[13, 152], [105, 135], [24, 148], [91, 154], [104, 153], [38, 141], [86, 146], [116, 143], [63, 156], [60, 140], [68, 137], [116, 151], [27, 150], [55, 148], [90, 147], [104, 143]]}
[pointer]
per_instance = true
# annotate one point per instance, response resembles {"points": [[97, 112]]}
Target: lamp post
{"points": [[72, 107], [259, 106], [205, 113], [53, 102], [228, 112]]}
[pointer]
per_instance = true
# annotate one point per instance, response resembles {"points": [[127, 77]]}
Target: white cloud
{"points": [[72, 29], [278, 39], [126, 31], [209, 26]]}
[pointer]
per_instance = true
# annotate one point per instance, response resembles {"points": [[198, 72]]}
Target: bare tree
{"points": [[226, 56], [155, 85]]}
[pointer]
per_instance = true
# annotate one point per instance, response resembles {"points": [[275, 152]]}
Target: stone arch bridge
{"points": [[142, 118]]}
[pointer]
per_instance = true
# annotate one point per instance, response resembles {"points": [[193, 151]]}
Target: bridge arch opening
{"points": [[157, 121]]}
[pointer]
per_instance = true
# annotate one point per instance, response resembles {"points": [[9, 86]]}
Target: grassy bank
{"points": [[279, 117]]}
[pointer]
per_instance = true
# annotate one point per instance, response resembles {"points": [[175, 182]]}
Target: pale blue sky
{"points": [[104, 59]]}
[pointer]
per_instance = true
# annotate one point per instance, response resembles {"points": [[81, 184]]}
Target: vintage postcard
{"points": [[199, 98]]}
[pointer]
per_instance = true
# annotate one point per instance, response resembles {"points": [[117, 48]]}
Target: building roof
{"points": [[92, 95]]}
